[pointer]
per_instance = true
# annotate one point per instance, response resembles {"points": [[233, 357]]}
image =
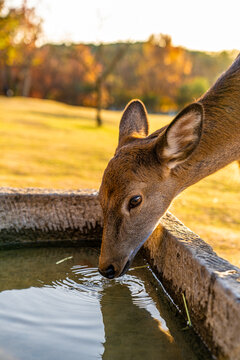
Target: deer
{"points": [[148, 171]]}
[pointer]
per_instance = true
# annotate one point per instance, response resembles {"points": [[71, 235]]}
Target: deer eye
{"points": [[134, 201]]}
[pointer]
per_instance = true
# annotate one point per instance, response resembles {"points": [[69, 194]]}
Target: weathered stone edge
{"points": [[182, 261], [43, 191], [186, 264], [34, 216]]}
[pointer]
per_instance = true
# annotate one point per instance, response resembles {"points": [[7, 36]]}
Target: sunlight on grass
{"points": [[53, 145]]}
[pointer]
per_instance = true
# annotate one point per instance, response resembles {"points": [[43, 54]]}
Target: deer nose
{"points": [[108, 273]]}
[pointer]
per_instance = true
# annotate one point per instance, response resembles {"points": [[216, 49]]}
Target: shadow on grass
{"points": [[81, 117], [33, 123], [62, 116], [77, 119]]}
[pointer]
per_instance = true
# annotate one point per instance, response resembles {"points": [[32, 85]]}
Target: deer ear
{"points": [[181, 137], [134, 122]]}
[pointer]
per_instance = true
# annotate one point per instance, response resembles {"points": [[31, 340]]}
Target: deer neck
{"points": [[220, 141]]}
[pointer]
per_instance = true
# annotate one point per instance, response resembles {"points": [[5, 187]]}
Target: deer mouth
{"points": [[131, 257], [126, 267]]}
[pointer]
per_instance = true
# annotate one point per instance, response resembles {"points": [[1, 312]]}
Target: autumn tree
{"points": [[19, 32], [210, 65], [1, 6], [107, 69], [122, 84], [164, 76], [66, 73], [161, 72], [76, 74]]}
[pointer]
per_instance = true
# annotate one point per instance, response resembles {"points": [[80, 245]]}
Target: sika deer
{"points": [[147, 172]]}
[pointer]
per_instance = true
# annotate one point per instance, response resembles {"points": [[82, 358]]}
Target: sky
{"points": [[210, 25]]}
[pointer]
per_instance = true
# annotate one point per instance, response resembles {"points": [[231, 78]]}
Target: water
{"points": [[66, 310]]}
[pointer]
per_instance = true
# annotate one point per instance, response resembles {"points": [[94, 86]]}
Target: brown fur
{"points": [[203, 138]]}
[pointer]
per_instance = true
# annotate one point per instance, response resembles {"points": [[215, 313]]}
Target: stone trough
{"points": [[182, 261]]}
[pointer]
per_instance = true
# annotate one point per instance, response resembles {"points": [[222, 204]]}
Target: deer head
{"points": [[139, 183]]}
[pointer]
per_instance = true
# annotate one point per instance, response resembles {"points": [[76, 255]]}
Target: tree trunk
{"points": [[6, 80], [104, 75], [99, 101], [27, 81]]}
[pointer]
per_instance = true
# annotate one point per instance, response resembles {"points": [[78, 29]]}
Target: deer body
{"points": [[147, 172]]}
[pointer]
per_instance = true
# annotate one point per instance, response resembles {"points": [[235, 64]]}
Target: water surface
{"points": [[53, 310]]}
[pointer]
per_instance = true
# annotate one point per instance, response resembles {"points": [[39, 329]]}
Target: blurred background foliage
{"points": [[164, 76]]}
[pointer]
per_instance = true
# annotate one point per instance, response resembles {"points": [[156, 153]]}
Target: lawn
{"points": [[52, 145]]}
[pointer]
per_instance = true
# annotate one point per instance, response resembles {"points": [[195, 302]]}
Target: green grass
{"points": [[52, 145]]}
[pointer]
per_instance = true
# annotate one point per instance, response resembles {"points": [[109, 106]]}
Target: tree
{"points": [[19, 32], [65, 73], [161, 72], [1, 5], [107, 70], [210, 65]]}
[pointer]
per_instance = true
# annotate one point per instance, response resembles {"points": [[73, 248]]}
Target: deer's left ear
{"points": [[134, 122], [181, 137]]}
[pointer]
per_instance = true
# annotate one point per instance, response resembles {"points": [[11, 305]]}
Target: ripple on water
{"points": [[91, 286], [69, 311]]}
